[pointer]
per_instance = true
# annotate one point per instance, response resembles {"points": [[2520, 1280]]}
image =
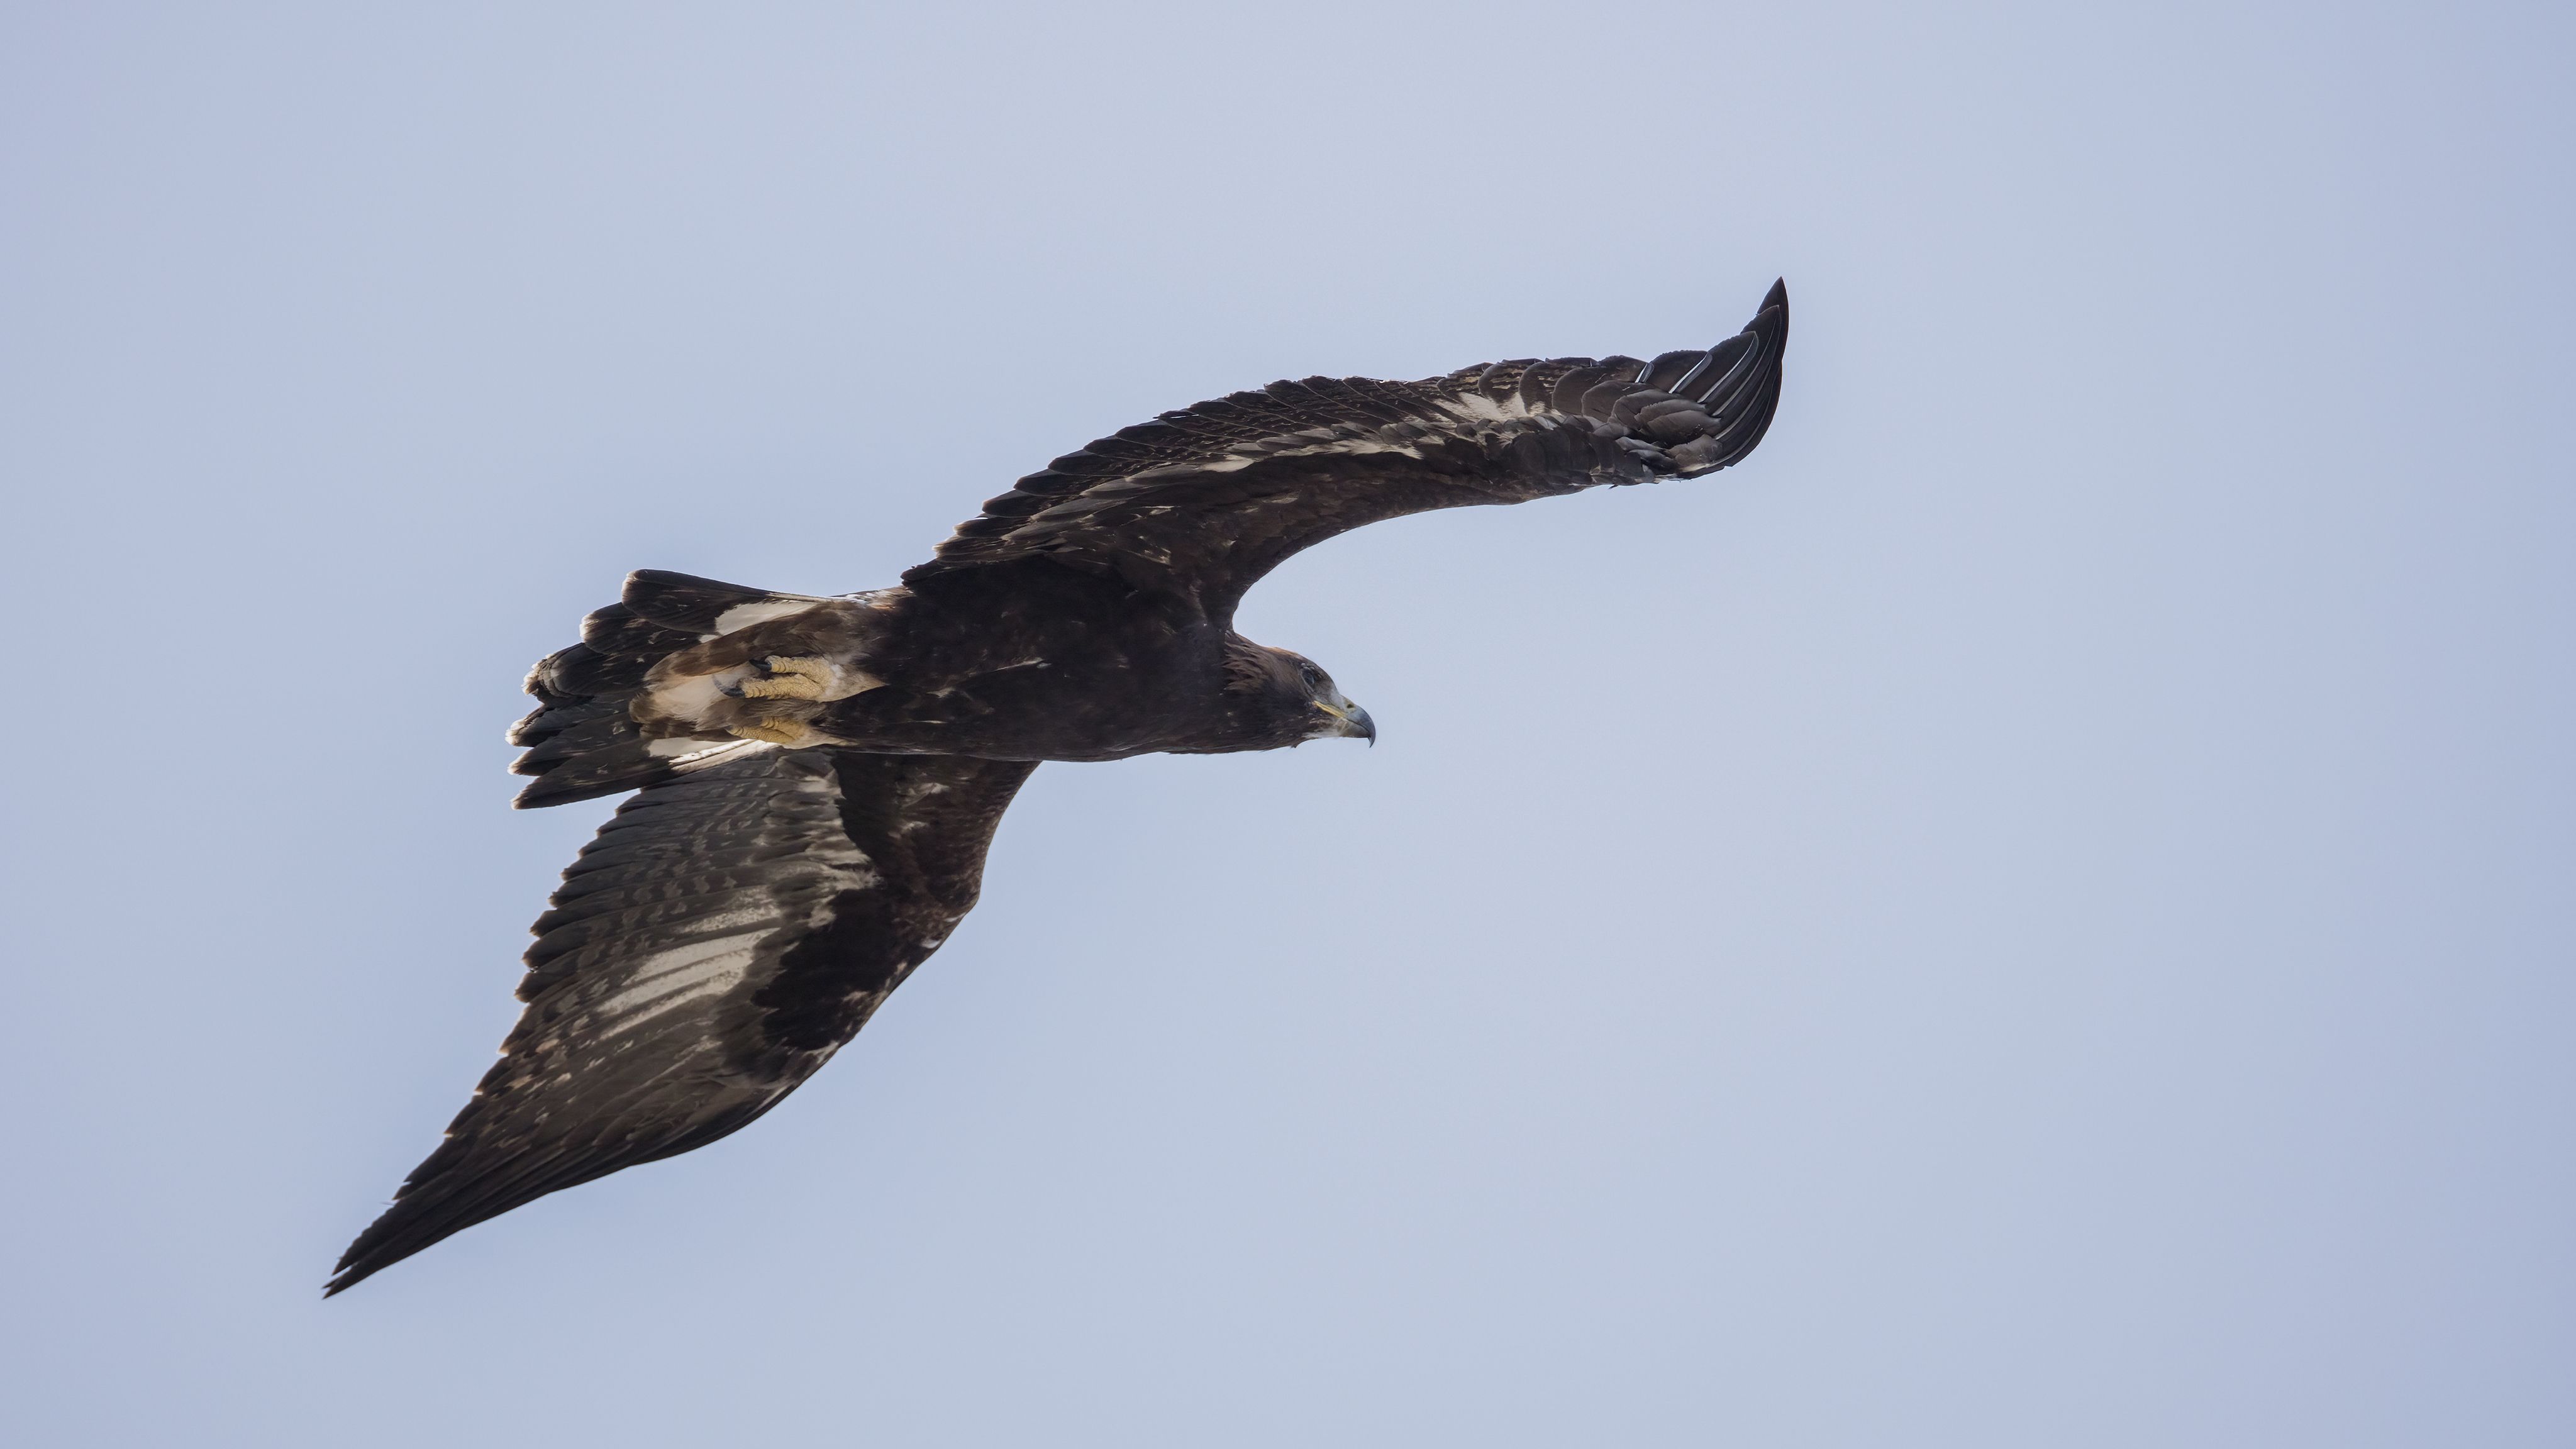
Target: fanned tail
{"points": [[583, 740]]}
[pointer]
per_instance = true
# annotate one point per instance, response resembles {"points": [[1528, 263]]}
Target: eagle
{"points": [[817, 779]]}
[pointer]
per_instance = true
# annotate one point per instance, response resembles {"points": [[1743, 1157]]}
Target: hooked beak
{"points": [[1349, 722]]}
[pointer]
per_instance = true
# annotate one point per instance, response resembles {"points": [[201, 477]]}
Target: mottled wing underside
{"points": [[723, 935], [1206, 500]]}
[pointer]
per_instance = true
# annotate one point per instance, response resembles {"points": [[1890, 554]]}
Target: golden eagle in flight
{"points": [[819, 777]]}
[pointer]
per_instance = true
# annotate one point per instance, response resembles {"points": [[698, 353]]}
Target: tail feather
{"points": [[603, 726], [581, 672], [628, 764], [618, 629], [582, 739], [549, 720], [704, 607]]}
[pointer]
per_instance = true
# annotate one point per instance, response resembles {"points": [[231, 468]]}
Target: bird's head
{"points": [[1292, 699]]}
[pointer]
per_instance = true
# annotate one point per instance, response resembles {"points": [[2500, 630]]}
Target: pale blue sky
{"points": [[2035, 912]]}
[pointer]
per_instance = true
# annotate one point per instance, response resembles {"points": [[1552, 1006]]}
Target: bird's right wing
{"points": [[725, 933], [1200, 503]]}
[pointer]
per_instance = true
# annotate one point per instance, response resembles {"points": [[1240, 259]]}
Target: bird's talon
{"points": [[789, 678]]}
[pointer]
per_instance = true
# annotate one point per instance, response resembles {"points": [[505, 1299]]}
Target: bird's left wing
{"points": [[724, 934], [1202, 502]]}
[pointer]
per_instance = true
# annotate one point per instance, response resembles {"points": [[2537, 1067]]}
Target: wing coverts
{"points": [[1205, 500]]}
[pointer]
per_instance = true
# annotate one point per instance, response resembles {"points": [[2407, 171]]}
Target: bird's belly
{"points": [[1032, 710]]}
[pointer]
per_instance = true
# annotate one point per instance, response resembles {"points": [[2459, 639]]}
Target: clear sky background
{"points": [[2034, 912]]}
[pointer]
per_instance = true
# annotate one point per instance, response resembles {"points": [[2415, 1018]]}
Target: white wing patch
{"points": [[698, 754], [1360, 439], [1347, 441], [1475, 407], [722, 948], [668, 980]]}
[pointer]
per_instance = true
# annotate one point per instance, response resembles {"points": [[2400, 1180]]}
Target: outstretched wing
{"points": [[1205, 501], [724, 934]]}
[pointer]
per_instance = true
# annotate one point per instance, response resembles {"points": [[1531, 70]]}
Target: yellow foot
{"points": [[791, 678], [770, 731]]}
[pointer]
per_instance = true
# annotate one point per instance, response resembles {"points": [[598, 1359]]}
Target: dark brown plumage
{"points": [[820, 777]]}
